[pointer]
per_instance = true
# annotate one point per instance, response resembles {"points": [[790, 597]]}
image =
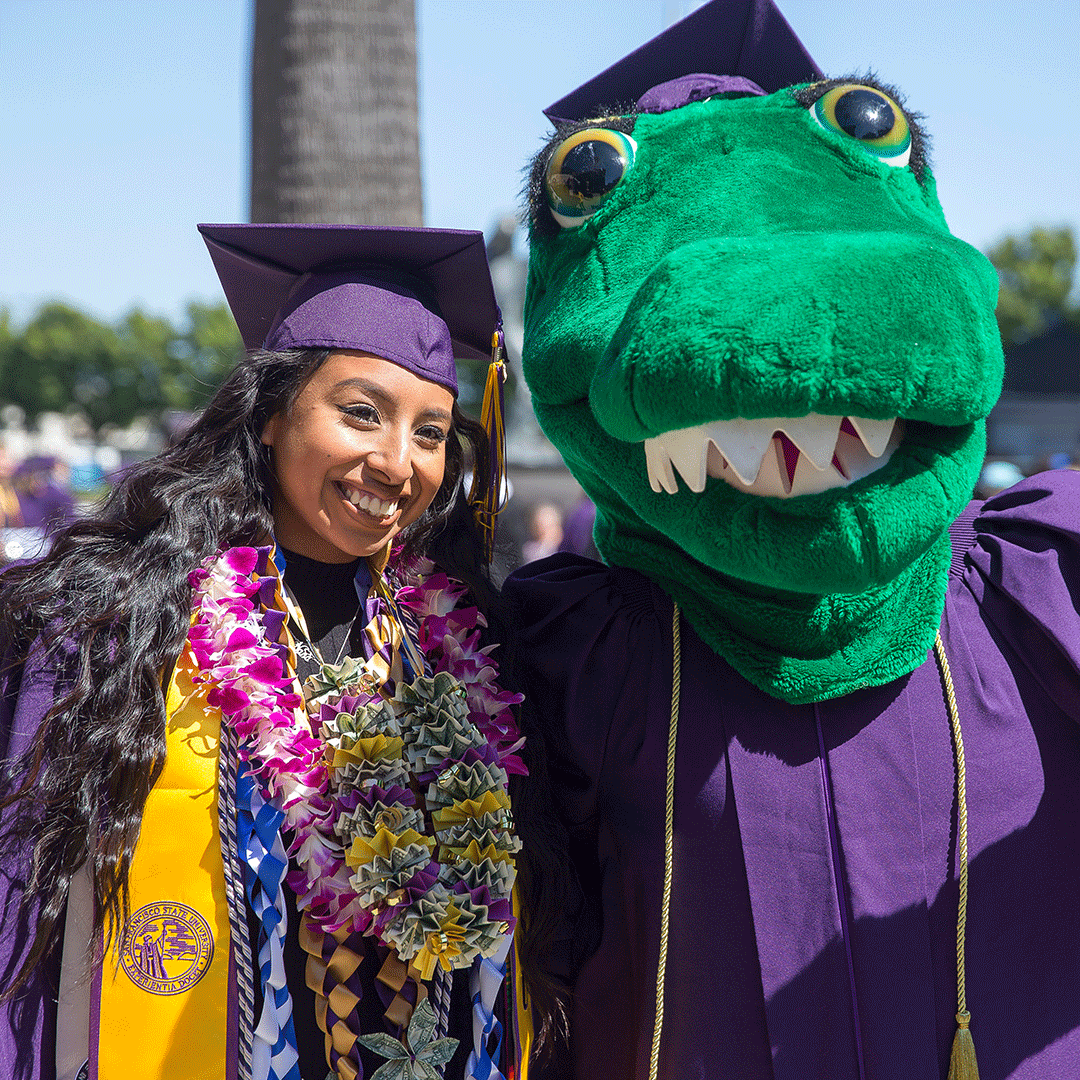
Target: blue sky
{"points": [[124, 122]]}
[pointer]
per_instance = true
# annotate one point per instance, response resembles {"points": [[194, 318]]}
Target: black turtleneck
{"points": [[326, 594]]}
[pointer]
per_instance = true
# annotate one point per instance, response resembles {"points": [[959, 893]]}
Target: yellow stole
{"points": [[165, 983]]}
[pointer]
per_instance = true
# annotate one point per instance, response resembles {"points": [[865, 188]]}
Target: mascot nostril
{"points": [[808, 667]]}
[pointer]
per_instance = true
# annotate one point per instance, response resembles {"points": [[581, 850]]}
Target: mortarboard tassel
{"points": [[962, 1063], [487, 503]]}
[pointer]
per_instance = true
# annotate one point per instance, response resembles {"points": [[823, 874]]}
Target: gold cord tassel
{"points": [[962, 1063], [669, 839], [487, 502]]}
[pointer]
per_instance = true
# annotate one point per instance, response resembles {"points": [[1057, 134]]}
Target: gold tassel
{"points": [[486, 503], [962, 1064]]}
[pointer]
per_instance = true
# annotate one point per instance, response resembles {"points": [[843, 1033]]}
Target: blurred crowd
{"points": [[551, 529], [1001, 473], [35, 500]]}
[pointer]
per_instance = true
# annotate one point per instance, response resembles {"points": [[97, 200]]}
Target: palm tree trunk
{"points": [[334, 114]]}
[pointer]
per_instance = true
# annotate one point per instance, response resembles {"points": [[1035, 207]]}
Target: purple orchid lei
{"points": [[396, 807]]}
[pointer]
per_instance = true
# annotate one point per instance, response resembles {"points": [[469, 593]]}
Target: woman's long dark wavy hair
{"points": [[108, 611]]}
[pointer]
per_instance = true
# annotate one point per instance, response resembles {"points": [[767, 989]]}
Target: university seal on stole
{"points": [[166, 948]]}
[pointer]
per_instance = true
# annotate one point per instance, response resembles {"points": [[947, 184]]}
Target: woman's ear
{"points": [[269, 431]]}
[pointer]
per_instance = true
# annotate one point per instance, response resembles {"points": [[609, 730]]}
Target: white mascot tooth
{"points": [[815, 436], [772, 477], [658, 464], [714, 461], [857, 459], [687, 449], [809, 480], [875, 434], [743, 444]]}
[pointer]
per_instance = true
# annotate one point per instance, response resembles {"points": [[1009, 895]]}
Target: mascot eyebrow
{"points": [[920, 140]]}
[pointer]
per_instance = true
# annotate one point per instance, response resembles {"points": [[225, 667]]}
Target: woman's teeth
{"points": [[370, 504]]}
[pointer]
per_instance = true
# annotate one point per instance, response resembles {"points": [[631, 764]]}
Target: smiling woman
{"points": [[357, 457], [256, 799]]}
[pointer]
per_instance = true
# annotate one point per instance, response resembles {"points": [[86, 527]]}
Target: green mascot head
{"points": [[759, 349]]}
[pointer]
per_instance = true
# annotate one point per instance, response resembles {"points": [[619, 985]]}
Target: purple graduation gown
{"points": [[814, 901], [28, 1022]]}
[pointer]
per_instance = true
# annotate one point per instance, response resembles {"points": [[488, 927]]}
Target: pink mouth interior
{"points": [[791, 456]]}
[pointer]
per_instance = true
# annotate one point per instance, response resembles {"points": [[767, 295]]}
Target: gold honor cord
{"points": [[962, 1064], [669, 845]]}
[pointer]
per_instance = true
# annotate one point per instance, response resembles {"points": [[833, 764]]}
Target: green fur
{"points": [[753, 264]]}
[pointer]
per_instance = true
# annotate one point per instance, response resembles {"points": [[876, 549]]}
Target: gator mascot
{"points": [[821, 790]]}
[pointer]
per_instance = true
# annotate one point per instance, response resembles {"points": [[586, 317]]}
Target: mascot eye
{"points": [[868, 115], [583, 171]]}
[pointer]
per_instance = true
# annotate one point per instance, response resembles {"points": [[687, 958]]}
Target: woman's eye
{"points": [[432, 435], [866, 114], [368, 414], [583, 171]]}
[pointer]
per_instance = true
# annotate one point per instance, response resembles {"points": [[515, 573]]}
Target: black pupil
{"points": [[864, 114], [591, 169]]}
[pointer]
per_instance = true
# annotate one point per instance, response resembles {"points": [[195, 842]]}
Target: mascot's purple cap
{"points": [[725, 47], [411, 296]]}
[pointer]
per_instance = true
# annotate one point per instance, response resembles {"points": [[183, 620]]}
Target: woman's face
{"points": [[357, 457]]}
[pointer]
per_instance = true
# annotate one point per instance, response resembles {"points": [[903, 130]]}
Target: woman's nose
{"points": [[391, 458]]}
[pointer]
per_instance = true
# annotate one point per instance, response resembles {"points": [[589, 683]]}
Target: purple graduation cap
{"points": [[726, 46], [411, 296]]}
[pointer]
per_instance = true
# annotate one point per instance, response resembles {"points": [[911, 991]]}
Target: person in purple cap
{"points": [[813, 724], [46, 504], [255, 808]]}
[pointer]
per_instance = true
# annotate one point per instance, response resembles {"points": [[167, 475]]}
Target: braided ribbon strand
{"points": [[485, 978], [228, 769], [259, 828], [332, 973]]}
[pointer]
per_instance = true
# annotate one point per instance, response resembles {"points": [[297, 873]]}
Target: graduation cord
{"points": [[441, 994], [962, 1063], [669, 844]]}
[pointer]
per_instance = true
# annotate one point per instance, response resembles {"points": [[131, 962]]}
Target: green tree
{"points": [[1036, 274], [64, 358]]}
